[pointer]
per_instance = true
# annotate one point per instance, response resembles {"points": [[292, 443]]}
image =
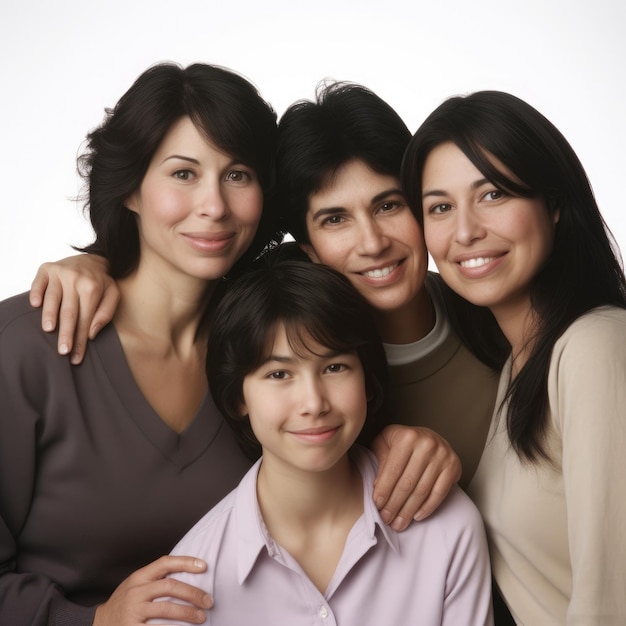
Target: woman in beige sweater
{"points": [[512, 224]]}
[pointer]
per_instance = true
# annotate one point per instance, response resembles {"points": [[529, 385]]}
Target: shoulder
{"points": [[456, 523], [457, 512], [21, 335], [600, 330], [16, 312]]}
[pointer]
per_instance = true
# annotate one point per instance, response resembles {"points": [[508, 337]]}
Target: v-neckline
{"points": [[180, 448]]}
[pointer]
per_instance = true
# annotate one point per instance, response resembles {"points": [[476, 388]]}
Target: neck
{"points": [[300, 500], [155, 309], [519, 326]]}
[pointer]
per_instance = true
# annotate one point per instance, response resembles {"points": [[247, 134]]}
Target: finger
{"points": [[51, 305], [86, 297], [390, 470], [430, 490], [406, 487], [174, 612], [437, 495], [38, 287], [173, 588], [106, 309], [68, 319], [170, 564]]}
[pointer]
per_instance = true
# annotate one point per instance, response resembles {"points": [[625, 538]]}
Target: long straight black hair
{"points": [[584, 269]]}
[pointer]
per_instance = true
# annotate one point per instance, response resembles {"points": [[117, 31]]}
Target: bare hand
{"points": [[417, 468], [78, 293], [132, 602]]}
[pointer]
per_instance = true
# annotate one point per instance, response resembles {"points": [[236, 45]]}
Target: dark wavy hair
{"points": [[315, 303], [223, 105], [315, 139], [584, 269]]}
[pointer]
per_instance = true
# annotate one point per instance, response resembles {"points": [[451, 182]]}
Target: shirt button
{"points": [[323, 612]]}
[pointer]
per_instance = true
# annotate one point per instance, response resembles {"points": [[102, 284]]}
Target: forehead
{"points": [[184, 137], [354, 182], [294, 340]]}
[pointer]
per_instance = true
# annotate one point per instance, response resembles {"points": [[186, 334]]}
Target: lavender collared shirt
{"points": [[435, 572]]}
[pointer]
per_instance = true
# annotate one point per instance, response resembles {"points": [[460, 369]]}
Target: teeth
{"points": [[477, 262], [381, 273]]}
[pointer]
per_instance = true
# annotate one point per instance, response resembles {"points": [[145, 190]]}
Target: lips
{"points": [[378, 273], [316, 435], [209, 242], [477, 262]]}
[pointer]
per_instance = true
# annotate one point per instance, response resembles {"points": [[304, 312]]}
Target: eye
{"points": [[278, 375], [183, 174], [332, 220], [238, 176], [439, 209], [494, 194], [390, 205], [335, 368]]}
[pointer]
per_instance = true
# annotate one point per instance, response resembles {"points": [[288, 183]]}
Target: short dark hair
{"points": [[584, 269], [312, 301], [226, 107], [346, 122]]}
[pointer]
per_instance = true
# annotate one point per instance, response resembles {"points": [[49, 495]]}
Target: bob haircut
{"points": [[584, 268], [314, 303], [315, 139], [224, 106]]}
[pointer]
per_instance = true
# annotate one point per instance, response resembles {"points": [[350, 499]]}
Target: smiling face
{"points": [[487, 244], [197, 208], [306, 409], [361, 226]]}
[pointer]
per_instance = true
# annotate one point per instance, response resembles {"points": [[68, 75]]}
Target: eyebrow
{"points": [[438, 192], [331, 354], [182, 158], [339, 209]]}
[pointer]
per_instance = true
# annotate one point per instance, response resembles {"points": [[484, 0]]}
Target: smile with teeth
{"points": [[477, 262], [381, 272]]}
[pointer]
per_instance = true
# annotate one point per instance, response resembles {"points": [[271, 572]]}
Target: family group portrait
{"points": [[313, 315]]}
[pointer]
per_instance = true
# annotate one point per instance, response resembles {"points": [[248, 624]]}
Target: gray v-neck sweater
{"points": [[93, 484]]}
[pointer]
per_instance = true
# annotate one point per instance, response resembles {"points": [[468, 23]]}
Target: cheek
{"points": [[331, 251], [414, 238], [434, 241], [162, 206], [249, 207]]}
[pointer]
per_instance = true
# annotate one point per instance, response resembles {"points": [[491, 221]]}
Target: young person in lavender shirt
{"points": [[299, 372]]}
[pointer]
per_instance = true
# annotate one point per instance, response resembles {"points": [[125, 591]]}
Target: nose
{"points": [[313, 398], [372, 239], [468, 226], [212, 201]]}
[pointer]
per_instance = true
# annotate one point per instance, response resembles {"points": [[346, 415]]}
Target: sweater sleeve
{"points": [[587, 388], [26, 599]]}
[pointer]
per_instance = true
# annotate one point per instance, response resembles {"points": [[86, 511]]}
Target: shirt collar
{"points": [[368, 466]]}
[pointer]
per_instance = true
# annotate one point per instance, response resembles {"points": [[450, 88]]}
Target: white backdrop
{"points": [[63, 61]]}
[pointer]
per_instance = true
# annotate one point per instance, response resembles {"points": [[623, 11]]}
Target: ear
{"points": [[554, 209], [132, 203], [309, 250], [242, 409]]}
